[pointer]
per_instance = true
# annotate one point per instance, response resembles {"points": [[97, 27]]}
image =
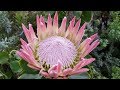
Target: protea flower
{"points": [[55, 51]]}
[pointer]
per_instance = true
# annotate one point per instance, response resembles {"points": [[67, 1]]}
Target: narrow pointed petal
{"points": [[23, 42], [63, 26], [54, 67], [80, 34], [53, 73], [75, 30], [49, 24], [29, 58], [91, 47], [72, 22], [33, 67], [30, 35], [26, 32], [84, 44], [43, 26], [22, 56], [83, 62], [29, 50], [79, 64], [43, 31], [67, 71], [79, 71], [26, 47], [45, 74], [94, 36], [38, 28], [42, 19], [70, 27], [87, 62], [34, 39], [32, 31], [59, 67], [55, 22], [38, 21], [90, 39]]}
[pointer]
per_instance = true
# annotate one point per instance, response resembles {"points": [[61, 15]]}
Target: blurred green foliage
{"points": [[114, 26], [115, 72]]}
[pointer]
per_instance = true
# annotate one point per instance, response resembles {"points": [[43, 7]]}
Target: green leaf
{"points": [[81, 76], [14, 65], [77, 14], [8, 74], [1, 75], [30, 76], [3, 57], [86, 16], [26, 69]]}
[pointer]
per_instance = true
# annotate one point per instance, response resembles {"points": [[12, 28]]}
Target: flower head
{"points": [[55, 51]]}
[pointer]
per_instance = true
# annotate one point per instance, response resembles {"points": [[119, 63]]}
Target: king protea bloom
{"points": [[55, 51]]}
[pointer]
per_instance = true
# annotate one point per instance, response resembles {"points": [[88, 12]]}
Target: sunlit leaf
{"points": [[3, 57], [86, 16], [77, 14], [14, 65], [26, 69]]}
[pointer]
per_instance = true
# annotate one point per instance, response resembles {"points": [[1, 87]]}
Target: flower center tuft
{"points": [[56, 48]]}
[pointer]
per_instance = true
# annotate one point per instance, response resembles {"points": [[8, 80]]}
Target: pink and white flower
{"points": [[55, 51]]}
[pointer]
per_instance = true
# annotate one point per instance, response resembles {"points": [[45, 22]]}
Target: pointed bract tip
{"points": [[98, 43], [49, 14], [89, 38], [96, 34], [56, 15], [65, 17], [23, 24], [30, 25], [79, 20], [92, 59], [21, 39], [37, 15], [56, 12], [85, 23], [17, 52], [74, 17], [82, 59]]}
